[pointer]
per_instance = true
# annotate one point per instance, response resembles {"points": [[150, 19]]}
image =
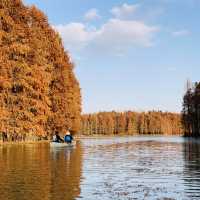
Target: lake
{"points": [[117, 168]]}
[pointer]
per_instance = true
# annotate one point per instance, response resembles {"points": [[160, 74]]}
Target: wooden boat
{"points": [[57, 144]]}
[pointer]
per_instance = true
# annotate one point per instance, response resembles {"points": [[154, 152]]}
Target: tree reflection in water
{"points": [[36, 172], [192, 168], [66, 173]]}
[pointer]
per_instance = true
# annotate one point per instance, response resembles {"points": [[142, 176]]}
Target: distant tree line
{"points": [[131, 123], [191, 110]]}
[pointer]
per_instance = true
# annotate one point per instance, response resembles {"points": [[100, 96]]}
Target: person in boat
{"points": [[57, 138], [68, 137]]}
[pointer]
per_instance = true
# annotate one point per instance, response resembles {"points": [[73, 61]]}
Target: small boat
{"points": [[57, 144]]}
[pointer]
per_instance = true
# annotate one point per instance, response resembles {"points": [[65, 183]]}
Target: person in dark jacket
{"points": [[57, 138]]}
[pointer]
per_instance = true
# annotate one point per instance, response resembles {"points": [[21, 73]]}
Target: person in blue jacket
{"points": [[68, 137]]}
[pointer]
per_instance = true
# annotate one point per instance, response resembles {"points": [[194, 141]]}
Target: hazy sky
{"points": [[129, 54]]}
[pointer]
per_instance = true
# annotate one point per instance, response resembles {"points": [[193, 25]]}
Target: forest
{"points": [[131, 123], [191, 110], [39, 92]]}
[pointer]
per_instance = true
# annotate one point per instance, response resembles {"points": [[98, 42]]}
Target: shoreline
{"points": [[24, 142], [124, 135], [79, 137]]}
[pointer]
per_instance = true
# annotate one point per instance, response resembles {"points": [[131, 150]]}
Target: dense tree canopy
{"points": [[38, 89], [191, 110], [131, 123]]}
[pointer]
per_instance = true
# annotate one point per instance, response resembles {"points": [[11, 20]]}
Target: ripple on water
{"points": [[120, 168], [137, 168]]}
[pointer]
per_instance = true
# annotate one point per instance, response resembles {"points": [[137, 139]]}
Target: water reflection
{"points": [[35, 172], [133, 168], [65, 173], [192, 168], [151, 168]]}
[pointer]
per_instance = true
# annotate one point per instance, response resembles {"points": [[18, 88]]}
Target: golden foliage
{"points": [[130, 123], [38, 89]]}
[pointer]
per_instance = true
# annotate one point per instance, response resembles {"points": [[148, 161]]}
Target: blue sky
{"points": [[129, 54]]}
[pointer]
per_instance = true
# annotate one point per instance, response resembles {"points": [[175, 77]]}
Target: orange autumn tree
{"points": [[39, 92]]}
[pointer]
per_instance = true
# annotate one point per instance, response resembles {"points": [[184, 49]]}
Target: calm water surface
{"points": [[121, 168]]}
